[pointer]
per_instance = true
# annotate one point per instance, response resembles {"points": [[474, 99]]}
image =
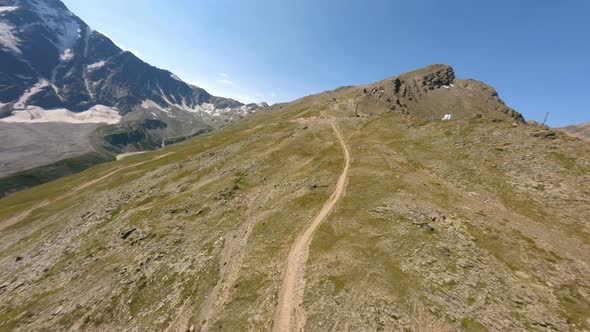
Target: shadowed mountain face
{"points": [[57, 72], [62, 63]]}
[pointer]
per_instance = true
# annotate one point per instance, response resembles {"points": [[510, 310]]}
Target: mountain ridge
{"points": [[581, 130], [57, 73], [81, 67], [412, 90]]}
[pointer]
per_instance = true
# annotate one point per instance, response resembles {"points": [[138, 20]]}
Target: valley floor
{"points": [[28, 145]]}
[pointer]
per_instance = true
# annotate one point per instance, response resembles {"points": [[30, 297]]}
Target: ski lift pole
{"points": [[546, 117], [313, 177]]}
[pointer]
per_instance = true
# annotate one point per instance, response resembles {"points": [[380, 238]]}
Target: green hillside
{"points": [[477, 223]]}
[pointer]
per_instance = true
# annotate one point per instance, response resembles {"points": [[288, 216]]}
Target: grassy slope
{"points": [[269, 164], [507, 250], [503, 194]]}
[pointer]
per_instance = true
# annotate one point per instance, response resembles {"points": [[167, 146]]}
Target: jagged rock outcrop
{"points": [[434, 91]]}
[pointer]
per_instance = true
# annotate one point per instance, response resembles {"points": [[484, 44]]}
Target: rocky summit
{"points": [[418, 203]]}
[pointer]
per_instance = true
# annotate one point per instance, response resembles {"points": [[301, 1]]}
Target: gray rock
{"points": [[126, 232], [425, 226]]}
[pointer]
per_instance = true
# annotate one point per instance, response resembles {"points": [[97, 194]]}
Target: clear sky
{"points": [[536, 53]]}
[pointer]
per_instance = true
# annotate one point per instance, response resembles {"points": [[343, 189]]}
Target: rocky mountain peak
{"points": [[430, 77], [416, 83], [52, 18], [434, 91], [55, 60]]}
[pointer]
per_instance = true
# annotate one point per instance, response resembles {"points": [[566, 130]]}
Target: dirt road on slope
{"points": [[289, 315], [16, 218]]}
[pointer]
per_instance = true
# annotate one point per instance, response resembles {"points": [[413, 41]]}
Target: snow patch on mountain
{"points": [[35, 114], [22, 101], [234, 111], [204, 109], [8, 39], [67, 55], [164, 97], [150, 104], [4, 9], [96, 65]]}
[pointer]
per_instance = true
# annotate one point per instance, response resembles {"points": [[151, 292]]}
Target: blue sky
{"points": [[536, 53]]}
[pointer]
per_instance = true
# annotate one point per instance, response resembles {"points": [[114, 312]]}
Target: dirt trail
{"points": [[16, 218], [291, 293], [230, 264]]}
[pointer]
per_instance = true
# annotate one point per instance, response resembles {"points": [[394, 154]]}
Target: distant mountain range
{"points": [[582, 130], [56, 69]]}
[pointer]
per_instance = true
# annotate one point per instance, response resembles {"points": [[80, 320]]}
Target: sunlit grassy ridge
{"points": [[473, 224]]}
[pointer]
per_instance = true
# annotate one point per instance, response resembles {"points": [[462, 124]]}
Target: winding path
{"points": [[291, 293]]}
